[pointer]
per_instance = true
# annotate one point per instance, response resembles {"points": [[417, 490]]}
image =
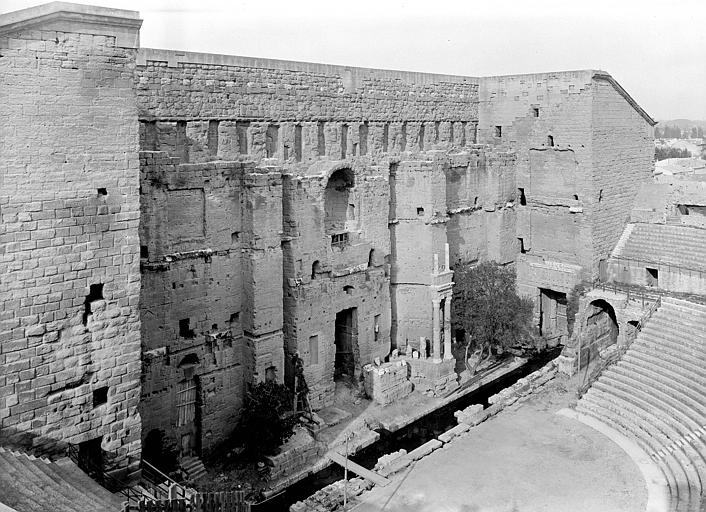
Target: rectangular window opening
{"points": [[421, 137], [535, 111], [100, 396], [185, 330], [376, 327], [314, 349], [652, 276], [298, 143], [523, 199], [420, 211], [102, 191], [344, 141], [522, 246], [363, 137], [498, 131], [385, 137], [320, 139], [339, 239], [271, 140]]}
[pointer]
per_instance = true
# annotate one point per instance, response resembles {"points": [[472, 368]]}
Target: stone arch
{"points": [[315, 269], [600, 327], [337, 200]]}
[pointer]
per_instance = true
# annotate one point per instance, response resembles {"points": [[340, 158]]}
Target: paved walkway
{"points": [[525, 459]]}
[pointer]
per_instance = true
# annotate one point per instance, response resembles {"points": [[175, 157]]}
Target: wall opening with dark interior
{"points": [[271, 140], [346, 339], [552, 313], [344, 141], [336, 199], [601, 330], [298, 143], [523, 199], [652, 276], [95, 293], [185, 330], [100, 396], [315, 269]]}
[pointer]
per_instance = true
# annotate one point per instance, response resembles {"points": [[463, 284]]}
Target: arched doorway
{"points": [[601, 327]]}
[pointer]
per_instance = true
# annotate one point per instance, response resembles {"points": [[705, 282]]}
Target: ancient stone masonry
{"points": [[210, 216], [69, 249]]}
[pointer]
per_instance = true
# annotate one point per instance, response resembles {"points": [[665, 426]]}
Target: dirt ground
{"points": [[525, 459]]}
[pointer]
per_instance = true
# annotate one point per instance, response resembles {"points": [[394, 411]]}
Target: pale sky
{"points": [[656, 50]]}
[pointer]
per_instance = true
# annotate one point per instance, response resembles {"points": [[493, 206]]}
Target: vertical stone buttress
{"points": [[262, 275], [69, 257]]}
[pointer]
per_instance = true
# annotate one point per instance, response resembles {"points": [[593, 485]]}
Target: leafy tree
{"points": [[266, 421], [662, 153], [486, 306]]}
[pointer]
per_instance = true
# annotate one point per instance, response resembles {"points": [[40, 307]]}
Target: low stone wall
{"points": [[434, 378], [388, 382], [475, 414], [331, 497], [296, 453]]}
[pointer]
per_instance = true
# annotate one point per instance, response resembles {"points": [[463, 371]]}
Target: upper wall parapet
{"points": [[76, 18]]}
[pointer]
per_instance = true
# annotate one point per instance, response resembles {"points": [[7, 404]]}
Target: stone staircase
{"points": [[193, 467], [31, 484], [656, 395]]}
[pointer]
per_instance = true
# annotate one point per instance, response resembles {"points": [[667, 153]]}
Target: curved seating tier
{"points": [[656, 395], [31, 484]]}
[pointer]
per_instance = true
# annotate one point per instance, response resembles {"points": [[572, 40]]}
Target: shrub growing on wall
{"points": [[266, 421], [486, 306]]}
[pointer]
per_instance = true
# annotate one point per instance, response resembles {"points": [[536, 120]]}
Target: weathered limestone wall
{"points": [[197, 106], [192, 241], [322, 279], [560, 126], [623, 158], [69, 262]]}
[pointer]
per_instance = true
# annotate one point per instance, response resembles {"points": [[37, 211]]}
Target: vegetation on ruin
{"points": [[572, 305], [487, 307], [267, 420]]}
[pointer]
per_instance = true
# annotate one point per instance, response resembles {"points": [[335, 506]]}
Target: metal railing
{"points": [[100, 475], [162, 486], [616, 354]]}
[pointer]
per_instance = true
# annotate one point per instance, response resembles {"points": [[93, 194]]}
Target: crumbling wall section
{"points": [[199, 107], [325, 275], [69, 263]]}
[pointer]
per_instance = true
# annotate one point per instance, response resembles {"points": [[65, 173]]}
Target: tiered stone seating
{"points": [[683, 246], [30, 484], [656, 395]]}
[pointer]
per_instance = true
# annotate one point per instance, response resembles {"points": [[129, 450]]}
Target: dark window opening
{"points": [[523, 199], [102, 191], [348, 289], [535, 111], [498, 131], [683, 209], [421, 137], [652, 276], [475, 201], [522, 246], [144, 252], [371, 258], [363, 137], [185, 330], [339, 239], [235, 317], [344, 141], [315, 269], [95, 293], [420, 210], [212, 138], [403, 138], [550, 140], [385, 137], [234, 237], [320, 139], [376, 328], [576, 197], [241, 129], [271, 141], [298, 143], [600, 195], [100, 396], [214, 326]]}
